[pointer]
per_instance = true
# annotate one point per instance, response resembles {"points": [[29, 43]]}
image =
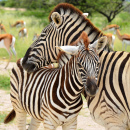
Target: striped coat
{"points": [[53, 96], [111, 107], [66, 25]]}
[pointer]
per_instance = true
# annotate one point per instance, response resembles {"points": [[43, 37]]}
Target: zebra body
{"points": [[47, 102], [111, 106], [66, 25], [53, 96]]}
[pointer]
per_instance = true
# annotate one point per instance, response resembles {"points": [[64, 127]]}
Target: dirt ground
{"points": [[85, 121]]}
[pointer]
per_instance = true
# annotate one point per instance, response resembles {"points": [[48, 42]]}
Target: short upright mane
{"points": [[65, 6], [83, 37]]}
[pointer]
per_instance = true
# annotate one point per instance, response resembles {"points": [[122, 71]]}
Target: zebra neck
{"points": [[73, 82]]}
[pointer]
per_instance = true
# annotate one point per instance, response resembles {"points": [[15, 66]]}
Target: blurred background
{"points": [[35, 13]]}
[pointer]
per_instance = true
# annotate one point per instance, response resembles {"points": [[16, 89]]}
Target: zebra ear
{"points": [[86, 14], [72, 50], [56, 17], [100, 43]]}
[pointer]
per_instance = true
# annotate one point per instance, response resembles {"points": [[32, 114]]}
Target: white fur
{"points": [[69, 49], [24, 23], [13, 40], [113, 40], [12, 45], [18, 25], [111, 29], [125, 42], [20, 34], [25, 31], [2, 45], [86, 14]]}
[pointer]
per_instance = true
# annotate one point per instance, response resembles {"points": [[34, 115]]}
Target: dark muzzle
{"points": [[91, 88], [28, 66]]}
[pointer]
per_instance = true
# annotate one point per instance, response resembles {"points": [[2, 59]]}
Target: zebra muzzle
{"points": [[29, 67], [91, 87]]}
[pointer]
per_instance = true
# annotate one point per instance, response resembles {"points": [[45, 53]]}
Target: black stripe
{"points": [[121, 69]]}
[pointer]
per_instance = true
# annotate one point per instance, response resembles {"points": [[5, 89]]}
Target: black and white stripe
{"points": [[66, 25], [111, 106], [53, 96]]}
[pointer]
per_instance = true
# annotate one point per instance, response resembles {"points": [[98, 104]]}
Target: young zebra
{"points": [[67, 23], [53, 96]]}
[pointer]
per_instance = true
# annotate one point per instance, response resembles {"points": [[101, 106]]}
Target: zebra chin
{"points": [[91, 87]]}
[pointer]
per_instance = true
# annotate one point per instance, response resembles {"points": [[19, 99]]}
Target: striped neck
{"points": [[73, 82]]}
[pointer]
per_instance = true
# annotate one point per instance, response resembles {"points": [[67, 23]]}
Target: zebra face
{"points": [[89, 68], [37, 54]]}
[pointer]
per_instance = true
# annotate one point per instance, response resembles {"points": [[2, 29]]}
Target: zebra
{"points": [[111, 106], [66, 24], [53, 96]]}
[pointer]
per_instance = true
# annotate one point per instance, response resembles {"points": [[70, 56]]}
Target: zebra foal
{"points": [[53, 96]]}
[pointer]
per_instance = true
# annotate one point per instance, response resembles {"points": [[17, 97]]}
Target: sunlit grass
{"points": [[4, 82], [33, 25], [122, 20]]}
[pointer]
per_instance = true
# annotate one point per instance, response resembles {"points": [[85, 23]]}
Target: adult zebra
{"points": [[54, 95], [111, 106], [66, 25]]}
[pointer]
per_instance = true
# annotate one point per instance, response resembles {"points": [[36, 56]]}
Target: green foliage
{"points": [[36, 13], [4, 82]]}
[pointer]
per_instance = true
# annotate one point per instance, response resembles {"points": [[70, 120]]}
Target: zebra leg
{"points": [[117, 128], [71, 125], [34, 124], [21, 120], [48, 124]]}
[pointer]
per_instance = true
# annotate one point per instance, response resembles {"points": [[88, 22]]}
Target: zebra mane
{"points": [[65, 6], [83, 37]]}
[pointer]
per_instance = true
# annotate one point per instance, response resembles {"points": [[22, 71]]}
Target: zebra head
{"points": [[88, 62], [66, 25]]}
